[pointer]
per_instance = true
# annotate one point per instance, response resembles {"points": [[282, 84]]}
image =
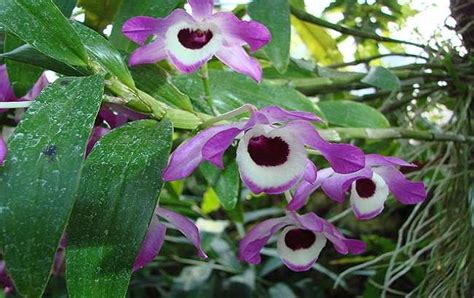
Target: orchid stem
{"points": [[229, 115], [207, 88], [15, 104], [288, 196]]}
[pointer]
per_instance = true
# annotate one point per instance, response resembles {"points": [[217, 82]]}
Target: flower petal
{"points": [[379, 160], [305, 189], [3, 150], [344, 158], [405, 191], [5, 280], [138, 29], [213, 150], [238, 33], [356, 247], [238, 60], [185, 226], [276, 114], [201, 8], [271, 179], [369, 207], [6, 91], [301, 259], [311, 221], [150, 53], [253, 242], [310, 172], [37, 88], [97, 133], [188, 155], [336, 185], [151, 246], [185, 67]]}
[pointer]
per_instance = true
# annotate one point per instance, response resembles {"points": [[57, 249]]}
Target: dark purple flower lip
{"points": [[365, 188], [194, 38], [299, 239], [266, 151]]}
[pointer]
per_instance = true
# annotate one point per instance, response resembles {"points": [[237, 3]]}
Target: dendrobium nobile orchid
{"points": [[271, 153], [190, 40], [369, 186]]}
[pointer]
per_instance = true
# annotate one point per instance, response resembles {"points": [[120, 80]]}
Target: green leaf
{"points": [[40, 178], [382, 78], [28, 55], [155, 81], [352, 114], [22, 76], [132, 8], [210, 201], [99, 13], [112, 212], [42, 25], [230, 90], [226, 183], [104, 53], [275, 14], [322, 46], [66, 6], [281, 290]]}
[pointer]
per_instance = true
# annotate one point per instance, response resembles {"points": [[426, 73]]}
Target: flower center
{"points": [[194, 39], [365, 188], [299, 239], [268, 151]]}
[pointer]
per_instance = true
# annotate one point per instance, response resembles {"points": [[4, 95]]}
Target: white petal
{"points": [[366, 208], [271, 177], [302, 257], [192, 56]]}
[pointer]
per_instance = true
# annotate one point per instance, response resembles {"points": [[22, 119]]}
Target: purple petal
{"points": [[405, 191], [187, 157], [3, 150], [256, 189], [185, 226], [311, 221], [310, 172], [305, 189], [344, 158], [116, 115], [341, 244], [187, 68], [5, 280], [6, 92], [238, 60], [238, 33], [151, 245], [379, 160], [150, 53], [213, 150], [201, 8], [97, 133], [138, 29], [37, 88], [366, 215], [276, 114], [253, 242], [336, 185]]}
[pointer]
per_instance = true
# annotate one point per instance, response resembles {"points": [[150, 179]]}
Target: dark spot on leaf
{"points": [[64, 82], [50, 152]]}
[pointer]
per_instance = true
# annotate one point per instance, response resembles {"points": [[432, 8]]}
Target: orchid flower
{"points": [[300, 243], [369, 186], [189, 41], [156, 236], [271, 153], [5, 280], [7, 95]]}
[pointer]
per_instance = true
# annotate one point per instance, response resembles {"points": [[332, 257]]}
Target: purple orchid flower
{"points": [[5, 280], [370, 186], [189, 41], [271, 154], [156, 236], [7, 95], [300, 243]]}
